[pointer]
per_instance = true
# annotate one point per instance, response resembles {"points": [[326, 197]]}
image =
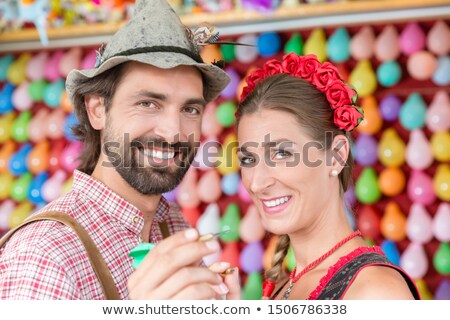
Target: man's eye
{"points": [[282, 154], [147, 104], [191, 110]]}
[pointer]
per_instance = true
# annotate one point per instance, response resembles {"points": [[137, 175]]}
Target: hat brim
{"points": [[215, 79]]}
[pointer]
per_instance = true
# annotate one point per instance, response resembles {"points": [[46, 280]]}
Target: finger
{"points": [[196, 292], [186, 277], [219, 267], [232, 282]]}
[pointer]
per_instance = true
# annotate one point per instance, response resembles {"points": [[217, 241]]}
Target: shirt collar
{"points": [[113, 205]]}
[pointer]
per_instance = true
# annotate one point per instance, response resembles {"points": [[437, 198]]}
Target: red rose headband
{"points": [[324, 76]]}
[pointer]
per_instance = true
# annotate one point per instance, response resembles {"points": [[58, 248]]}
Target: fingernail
{"points": [[224, 264], [191, 234], [223, 288], [212, 245]]}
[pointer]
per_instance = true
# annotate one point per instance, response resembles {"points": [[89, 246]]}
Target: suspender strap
{"points": [[94, 255]]}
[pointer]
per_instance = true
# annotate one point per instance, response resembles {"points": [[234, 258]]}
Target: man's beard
{"points": [[134, 167]]}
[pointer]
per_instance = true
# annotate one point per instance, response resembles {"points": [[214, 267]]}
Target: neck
{"points": [[147, 204]]}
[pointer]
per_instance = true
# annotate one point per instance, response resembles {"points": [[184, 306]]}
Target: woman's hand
{"points": [[231, 280]]}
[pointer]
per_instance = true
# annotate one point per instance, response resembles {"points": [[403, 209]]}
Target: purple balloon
{"points": [[390, 107], [350, 197], [171, 195], [443, 291], [231, 89], [252, 257], [366, 150]]}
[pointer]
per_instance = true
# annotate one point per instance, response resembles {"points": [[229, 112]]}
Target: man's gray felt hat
{"points": [[155, 36]]}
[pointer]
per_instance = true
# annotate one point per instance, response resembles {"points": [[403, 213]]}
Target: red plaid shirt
{"points": [[46, 260]]}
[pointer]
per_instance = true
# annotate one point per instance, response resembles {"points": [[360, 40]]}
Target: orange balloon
{"points": [[66, 105], [270, 251], [393, 223], [243, 83], [392, 181], [209, 187], [211, 53], [38, 158], [5, 154], [373, 121]]}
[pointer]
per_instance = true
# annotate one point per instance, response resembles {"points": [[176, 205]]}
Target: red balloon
{"points": [[54, 163], [230, 254], [191, 215], [369, 222]]}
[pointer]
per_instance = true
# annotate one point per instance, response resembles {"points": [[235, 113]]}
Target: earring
{"points": [[334, 173]]}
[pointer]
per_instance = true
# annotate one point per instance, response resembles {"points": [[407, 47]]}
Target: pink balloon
{"points": [[89, 60], [187, 196], [210, 126], [21, 97], [251, 228], [51, 189], [420, 188], [51, 69], [36, 66], [55, 124], [438, 113], [243, 194], [421, 65], [441, 223], [387, 44], [70, 60], [438, 39], [6, 208], [69, 156], [209, 188], [209, 221], [362, 44], [38, 124], [419, 224], [412, 39], [414, 261], [418, 151], [206, 154]]}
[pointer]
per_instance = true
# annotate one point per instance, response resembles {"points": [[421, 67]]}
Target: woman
{"points": [[293, 126]]}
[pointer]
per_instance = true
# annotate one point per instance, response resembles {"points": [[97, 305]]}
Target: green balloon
{"points": [[225, 113], [19, 189], [290, 259], [294, 44], [231, 220], [228, 52], [19, 130], [37, 89], [253, 287], [366, 188], [441, 259]]}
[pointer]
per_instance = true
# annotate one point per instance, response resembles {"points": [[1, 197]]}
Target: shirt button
{"points": [[135, 219]]}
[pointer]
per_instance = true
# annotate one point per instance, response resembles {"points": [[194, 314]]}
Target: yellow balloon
{"points": [[440, 146], [316, 44], [6, 122], [372, 121], [228, 159], [441, 182], [363, 78], [425, 294], [17, 72], [67, 185], [20, 213], [391, 149], [6, 181]]}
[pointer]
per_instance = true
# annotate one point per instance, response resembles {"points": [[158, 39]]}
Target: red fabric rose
{"points": [[324, 76], [291, 64], [338, 94], [346, 117], [273, 67], [245, 92], [255, 77], [308, 66]]}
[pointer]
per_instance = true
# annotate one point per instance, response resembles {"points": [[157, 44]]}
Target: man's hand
{"points": [[171, 271]]}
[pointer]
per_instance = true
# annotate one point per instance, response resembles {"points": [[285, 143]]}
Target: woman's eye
{"points": [[282, 154], [245, 161]]}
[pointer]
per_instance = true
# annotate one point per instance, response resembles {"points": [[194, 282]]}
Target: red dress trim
{"points": [[338, 265]]}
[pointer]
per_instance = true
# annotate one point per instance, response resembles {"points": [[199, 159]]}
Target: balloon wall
{"points": [[400, 199]]}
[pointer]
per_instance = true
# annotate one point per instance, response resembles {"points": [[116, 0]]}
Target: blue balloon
{"points": [[6, 104], [390, 250], [350, 217], [441, 76], [18, 161], [389, 73], [338, 45], [230, 183], [413, 112], [53, 92], [35, 190], [5, 63], [71, 121], [366, 150], [269, 43], [390, 107]]}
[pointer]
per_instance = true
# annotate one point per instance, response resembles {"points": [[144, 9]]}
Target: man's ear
{"points": [[341, 150], [95, 109]]}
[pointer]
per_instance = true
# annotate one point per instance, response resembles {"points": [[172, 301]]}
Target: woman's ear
{"points": [[340, 151], [95, 109]]}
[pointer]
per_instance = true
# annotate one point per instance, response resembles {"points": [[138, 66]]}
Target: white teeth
{"points": [[159, 154], [276, 202]]}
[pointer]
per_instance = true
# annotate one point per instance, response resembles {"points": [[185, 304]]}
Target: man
{"points": [[139, 114]]}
